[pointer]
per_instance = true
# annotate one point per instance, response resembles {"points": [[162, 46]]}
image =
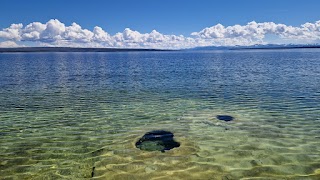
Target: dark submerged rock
{"points": [[225, 117], [97, 152], [157, 140], [92, 173]]}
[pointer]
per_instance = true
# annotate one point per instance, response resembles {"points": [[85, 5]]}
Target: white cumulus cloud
{"points": [[53, 31], [32, 31], [56, 33], [254, 32], [12, 33], [8, 44]]}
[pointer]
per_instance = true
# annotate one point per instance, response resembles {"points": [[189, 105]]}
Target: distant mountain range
{"points": [[258, 46]]}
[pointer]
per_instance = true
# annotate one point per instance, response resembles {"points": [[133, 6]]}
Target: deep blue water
{"points": [[293, 75]]}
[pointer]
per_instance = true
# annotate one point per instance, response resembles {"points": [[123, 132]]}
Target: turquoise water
{"points": [[79, 115]]}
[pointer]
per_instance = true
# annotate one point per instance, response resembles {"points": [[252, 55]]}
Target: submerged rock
{"points": [[157, 140], [225, 117], [92, 173]]}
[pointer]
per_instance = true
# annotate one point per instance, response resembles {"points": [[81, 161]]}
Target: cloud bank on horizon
{"points": [[56, 33]]}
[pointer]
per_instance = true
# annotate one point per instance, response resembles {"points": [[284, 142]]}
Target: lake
{"points": [[80, 115]]}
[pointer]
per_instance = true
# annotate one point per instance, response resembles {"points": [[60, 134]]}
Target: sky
{"points": [[158, 23]]}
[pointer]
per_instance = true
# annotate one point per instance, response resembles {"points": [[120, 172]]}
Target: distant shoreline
{"points": [[71, 49], [257, 47], [272, 48]]}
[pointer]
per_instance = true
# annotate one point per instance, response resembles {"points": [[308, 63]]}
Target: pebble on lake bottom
{"points": [[225, 118]]}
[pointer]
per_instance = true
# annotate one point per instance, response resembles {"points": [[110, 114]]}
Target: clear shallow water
{"points": [[74, 115]]}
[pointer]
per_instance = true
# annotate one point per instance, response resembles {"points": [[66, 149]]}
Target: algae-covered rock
{"points": [[157, 140]]}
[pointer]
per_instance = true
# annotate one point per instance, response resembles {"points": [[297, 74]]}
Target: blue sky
{"points": [[168, 17]]}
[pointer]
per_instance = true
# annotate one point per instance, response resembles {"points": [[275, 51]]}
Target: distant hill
{"points": [[258, 46], [69, 49]]}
